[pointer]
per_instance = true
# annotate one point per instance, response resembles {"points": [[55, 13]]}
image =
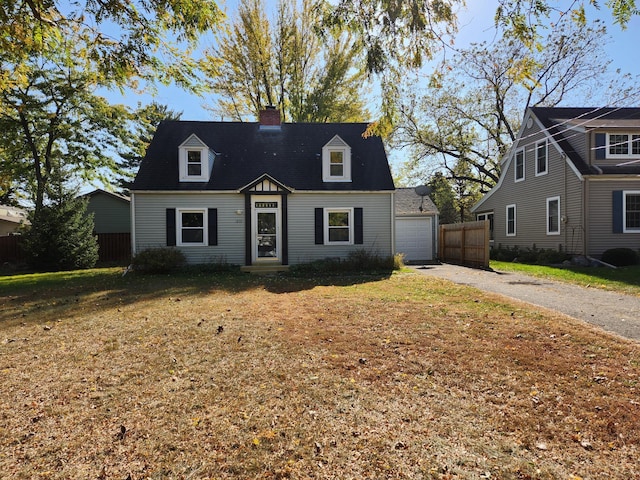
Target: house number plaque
{"points": [[266, 204]]}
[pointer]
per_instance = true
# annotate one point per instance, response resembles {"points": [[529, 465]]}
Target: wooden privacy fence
{"points": [[113, 247], [10, 249], [465, 243]]}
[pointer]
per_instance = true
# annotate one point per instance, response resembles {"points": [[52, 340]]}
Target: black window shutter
{"points": [[617, 210], [358, 226], [319, 226], [601, 146], [171, 227], [213, 226]]}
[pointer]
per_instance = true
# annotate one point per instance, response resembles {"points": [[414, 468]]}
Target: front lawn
{"points": [[622, 279], [198, 376]]}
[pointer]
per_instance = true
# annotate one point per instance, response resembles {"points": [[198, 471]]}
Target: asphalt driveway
{"points": [[614, 312]]}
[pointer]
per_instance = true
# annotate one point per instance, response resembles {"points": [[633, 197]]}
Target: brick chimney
{"points": [[270, 117]]}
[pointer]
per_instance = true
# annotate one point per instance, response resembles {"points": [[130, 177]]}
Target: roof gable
{"points": [[193, 141]]}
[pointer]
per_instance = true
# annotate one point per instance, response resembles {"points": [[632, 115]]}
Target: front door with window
{"points": [[266, 230]]}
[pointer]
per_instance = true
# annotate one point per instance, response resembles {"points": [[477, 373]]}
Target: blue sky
{"points": [[476, 24]]}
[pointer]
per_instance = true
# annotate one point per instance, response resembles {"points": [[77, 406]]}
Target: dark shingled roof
{"points": [[408, 202], [292, 155], [588, 118]]}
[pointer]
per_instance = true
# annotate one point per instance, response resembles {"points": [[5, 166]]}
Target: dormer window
{"points": [[194, 163], [623, 145], [195, 160], [336, 161]]}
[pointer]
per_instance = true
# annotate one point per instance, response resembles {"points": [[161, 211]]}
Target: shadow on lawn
{"points": [[41, 298]]}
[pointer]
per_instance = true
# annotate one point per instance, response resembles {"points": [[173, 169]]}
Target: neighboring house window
{"points": [[192, 227], [339, 226], [541, 158], [632, 212], [553, 216], [511, 220], [622, 145], [487, 216], [336, 161], [519, 166]]}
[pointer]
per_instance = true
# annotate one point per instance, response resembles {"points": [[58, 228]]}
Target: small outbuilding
{"points": [[11, 218], [111, 211], [416, 226]]}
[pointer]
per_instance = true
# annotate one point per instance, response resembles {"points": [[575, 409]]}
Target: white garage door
{"points": [[414, 238]]}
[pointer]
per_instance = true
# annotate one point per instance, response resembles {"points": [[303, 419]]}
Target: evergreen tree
{"points": [[61, 236], [146, 122]]}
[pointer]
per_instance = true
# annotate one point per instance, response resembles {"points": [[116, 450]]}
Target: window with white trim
{"points": [[487, 216], [519, 166], [553, 216], [541, 158], [631, 211], [192, 226], [338, 225], [194, 164], [336, 161], [623, 145], [511, 220]]}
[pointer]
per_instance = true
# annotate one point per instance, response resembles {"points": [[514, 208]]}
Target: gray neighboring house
{"points": [[570, 181], [111, 211], [263, 193], [11, 218], [416, 226]]}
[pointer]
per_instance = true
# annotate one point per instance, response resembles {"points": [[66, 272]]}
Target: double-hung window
{"points": [[339, 226], [553, 216], [487, 216], [541, 158], [194, 163], [192, 227], [623, 145], [511, 220], [336, 161], [631, 215], [195, 160], [519, 166]]}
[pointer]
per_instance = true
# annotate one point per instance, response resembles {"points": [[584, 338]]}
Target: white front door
{"points": [[266, 229]]}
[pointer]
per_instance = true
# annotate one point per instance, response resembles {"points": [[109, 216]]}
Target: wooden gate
{"points": [[465, 243]]}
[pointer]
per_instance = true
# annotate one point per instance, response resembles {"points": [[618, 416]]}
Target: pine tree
{"points": [[61, 236]]}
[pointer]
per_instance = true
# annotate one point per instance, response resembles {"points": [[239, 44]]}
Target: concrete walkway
{"points": [[614, 312]]}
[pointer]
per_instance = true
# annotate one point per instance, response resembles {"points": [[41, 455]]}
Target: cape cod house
{"points": [[571, 181], [266, 193]]}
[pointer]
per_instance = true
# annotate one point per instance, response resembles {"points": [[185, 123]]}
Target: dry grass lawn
{"points": [[405, 377]]}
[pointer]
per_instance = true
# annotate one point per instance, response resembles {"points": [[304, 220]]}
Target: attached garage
{"points": [[416, 225]]}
